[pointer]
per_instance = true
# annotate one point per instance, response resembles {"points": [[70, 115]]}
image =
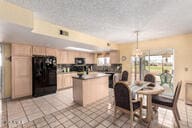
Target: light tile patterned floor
{"points": [[59, 111]]}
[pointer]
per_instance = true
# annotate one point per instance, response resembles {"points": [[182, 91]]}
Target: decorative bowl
{"points": [[139, 83], [80, 75]]}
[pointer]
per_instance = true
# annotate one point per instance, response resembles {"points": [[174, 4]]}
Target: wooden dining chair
{"points": [[149, 78], [124, 101], [169, 103], [125, 76]]}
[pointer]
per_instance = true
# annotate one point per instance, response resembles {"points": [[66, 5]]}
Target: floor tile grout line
{"points": [[7, 122], [51, 104], [187, 116], [58, 99], [38, 107], [163, 118], [24, 110]]}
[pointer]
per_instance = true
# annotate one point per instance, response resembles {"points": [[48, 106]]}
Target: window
{"points": [[103, 61], [0, 60]]}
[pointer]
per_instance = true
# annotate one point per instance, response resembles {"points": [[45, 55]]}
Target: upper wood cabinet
{"points": [[51, 52], [71, 56], [21, 50], [90, 58], [114, 57], [83, 54], [62, 57], [21, 76], [59, 57], [39, 50]]}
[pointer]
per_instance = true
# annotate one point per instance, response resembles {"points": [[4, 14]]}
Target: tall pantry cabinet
{"points": [[21, 71]]}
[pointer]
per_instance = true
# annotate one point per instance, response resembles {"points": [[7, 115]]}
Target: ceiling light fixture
{"points": [[138, 52], [79, 49]]}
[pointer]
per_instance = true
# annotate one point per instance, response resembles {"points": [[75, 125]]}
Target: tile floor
{"points": [[59, 111]]}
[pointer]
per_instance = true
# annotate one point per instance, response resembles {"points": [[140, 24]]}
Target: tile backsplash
{"points": [[92, 67]]}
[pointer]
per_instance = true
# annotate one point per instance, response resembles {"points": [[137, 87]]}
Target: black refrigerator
{"points": [[44, 75]]}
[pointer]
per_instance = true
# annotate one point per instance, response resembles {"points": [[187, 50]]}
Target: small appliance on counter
{"points": [[44, 69], [79, 61], [81, 66]]}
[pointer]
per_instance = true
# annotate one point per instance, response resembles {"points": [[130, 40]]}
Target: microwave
{"points": [[80, 61]]}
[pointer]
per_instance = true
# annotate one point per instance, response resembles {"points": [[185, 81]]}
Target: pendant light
{"points": [[138, 52]]}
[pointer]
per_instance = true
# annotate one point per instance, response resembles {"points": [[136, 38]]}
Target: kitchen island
{"points": [[90, 88]]}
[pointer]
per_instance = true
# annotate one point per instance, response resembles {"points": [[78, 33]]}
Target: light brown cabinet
{"points": [[90, 58], [21, 76], [21, 50], [39, 50], [68, 57], [51, 52], [21, 70], [67, 79], [62, 57], [71, 56], [59, 81], [114, 57], [64, 81]]}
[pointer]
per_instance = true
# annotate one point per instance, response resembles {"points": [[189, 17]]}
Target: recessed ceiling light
{"points": [[79, 49]]}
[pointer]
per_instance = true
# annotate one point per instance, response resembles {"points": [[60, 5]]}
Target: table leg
{"points": [[149, 108]]}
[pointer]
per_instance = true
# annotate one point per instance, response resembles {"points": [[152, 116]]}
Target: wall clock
{"points": [[123, 58]]}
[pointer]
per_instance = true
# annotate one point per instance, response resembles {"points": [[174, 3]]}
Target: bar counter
{"points": [[90, 88]]}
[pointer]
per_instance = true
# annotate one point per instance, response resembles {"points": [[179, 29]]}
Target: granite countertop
{"points": [[91, 76], [61, 72], [58, 72]]}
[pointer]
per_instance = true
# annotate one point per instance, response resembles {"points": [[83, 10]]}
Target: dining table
{"points": [[148, 91]]}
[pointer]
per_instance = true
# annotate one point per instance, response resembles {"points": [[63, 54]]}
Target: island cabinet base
{"points": [[87, 91]]}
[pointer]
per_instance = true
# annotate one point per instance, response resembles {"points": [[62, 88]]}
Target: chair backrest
{"points": [[116, 78], [149, 78], [177, 92], [122, 95], [165, 78], [125, 75]]}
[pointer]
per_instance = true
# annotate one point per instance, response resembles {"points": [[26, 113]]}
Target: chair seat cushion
{"points": [[162, 100]]}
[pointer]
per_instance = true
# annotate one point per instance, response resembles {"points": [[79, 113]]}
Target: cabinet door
{"points": [[83, 54], [51, 52], [71, 56], [21, 77], [90, 58], [67, 80], [59, 81], [59, 60], [38, 50], [21, 50], [114, 57], [64, 57]]}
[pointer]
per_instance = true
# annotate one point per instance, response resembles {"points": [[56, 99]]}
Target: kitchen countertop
{"points": [[91, 76], [60, 72], [66, 72]]}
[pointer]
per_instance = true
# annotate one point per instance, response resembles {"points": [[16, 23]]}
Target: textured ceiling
{"points": [[116, 20]]}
